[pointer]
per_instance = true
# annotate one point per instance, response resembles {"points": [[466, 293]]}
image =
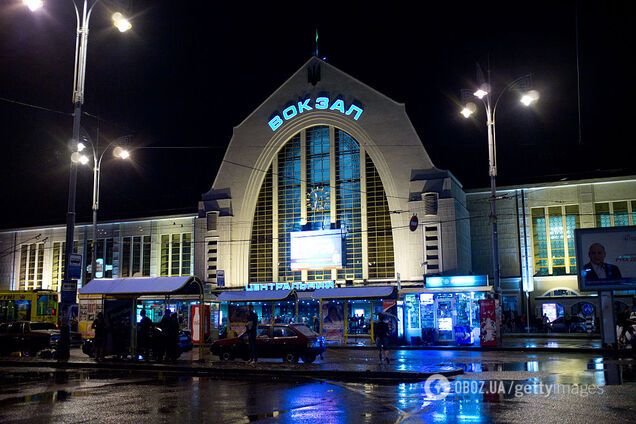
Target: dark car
{"points": [[573, 324], [75, 337], [23, 336], [287, 341]]}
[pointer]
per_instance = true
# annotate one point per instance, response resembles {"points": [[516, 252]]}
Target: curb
{"points": [[276, 373]]}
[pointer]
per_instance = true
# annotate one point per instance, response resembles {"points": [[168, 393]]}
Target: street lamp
{"points": [[484, 93], [69, 284], [78, 157]]}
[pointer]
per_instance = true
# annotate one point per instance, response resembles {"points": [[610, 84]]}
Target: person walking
{"points": [[99, 341], [251, 328], [546, 323], [381, 329]]}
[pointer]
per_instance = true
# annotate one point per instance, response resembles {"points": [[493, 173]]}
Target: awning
{"points": [[142, 286], [254, 296], [349, 293]]}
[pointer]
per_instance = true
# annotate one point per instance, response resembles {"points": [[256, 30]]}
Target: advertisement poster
{"points": [[488, 322], [88, 310], [196, 323], [606, 258], [389, 308], [333, 321]]}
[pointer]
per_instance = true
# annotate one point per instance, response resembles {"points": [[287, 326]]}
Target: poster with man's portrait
{"points": [[606, 258]]}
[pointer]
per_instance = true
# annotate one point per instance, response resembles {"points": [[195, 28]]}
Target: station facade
{"points": [[327, 181]]}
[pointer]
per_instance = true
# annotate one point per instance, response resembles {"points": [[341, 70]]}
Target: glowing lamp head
{"points": [[121, 22], [530, 97], [469, 109], [33, 5], [81, 146], [77, 157], [480, 94], [121, 153]]}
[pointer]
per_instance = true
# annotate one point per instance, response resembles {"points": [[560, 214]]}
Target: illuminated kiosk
{"points": [[319, 183], [446, 310]]}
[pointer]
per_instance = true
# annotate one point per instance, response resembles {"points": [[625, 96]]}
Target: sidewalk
{"points": [[189, 363]]}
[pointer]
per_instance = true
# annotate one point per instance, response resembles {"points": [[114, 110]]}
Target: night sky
{"points": [[191, 71]]}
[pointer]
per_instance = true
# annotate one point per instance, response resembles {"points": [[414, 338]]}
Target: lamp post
{"points": [[484, 94], [69, 283], [78, 157]]}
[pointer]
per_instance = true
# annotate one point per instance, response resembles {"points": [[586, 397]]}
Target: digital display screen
{"points": [[321, 249], [550, 310]]}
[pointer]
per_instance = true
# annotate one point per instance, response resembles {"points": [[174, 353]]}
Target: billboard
{"points": [[606, 258], [321, 249]]}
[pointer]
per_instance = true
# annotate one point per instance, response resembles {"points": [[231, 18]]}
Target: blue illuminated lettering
{"points": [[322, 103], [275, 122], [356, 109], [299, 286], [290, 112], [338, 105], [303, 106]]}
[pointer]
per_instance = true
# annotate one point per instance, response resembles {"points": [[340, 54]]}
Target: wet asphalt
{"points": [[495, 387]]}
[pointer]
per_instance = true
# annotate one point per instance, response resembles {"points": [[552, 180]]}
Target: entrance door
{"points": [[445, 317]]}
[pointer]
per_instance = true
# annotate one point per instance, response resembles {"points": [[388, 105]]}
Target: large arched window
{"points": [[320, 180]]}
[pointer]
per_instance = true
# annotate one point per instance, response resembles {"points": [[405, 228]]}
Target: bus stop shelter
{"points": [[123, 293]]}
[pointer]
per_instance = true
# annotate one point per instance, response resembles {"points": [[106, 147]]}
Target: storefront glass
{"points": [[359, 317], [285, 312], [309, 313], [440, 317]]}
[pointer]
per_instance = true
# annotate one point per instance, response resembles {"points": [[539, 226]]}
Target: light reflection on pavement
{"points": [[128, 396]]}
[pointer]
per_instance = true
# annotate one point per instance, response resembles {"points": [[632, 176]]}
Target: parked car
{"points": [[574, 324], [23, 336], [287, 341], [55, 333]]}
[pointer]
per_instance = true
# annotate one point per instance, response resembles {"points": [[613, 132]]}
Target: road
{"points": [[497, 386]]}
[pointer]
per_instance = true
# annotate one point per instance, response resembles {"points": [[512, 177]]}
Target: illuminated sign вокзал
{"points": [[320, 103]]}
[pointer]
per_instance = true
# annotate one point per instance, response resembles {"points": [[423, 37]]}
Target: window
{"points": [[176, 254], [31, 266], [283, 332], [104, 255], [212, 256], [135, 256], [432, 249], [553, 239], [320, 172], [380, 235], [615, 214]]}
